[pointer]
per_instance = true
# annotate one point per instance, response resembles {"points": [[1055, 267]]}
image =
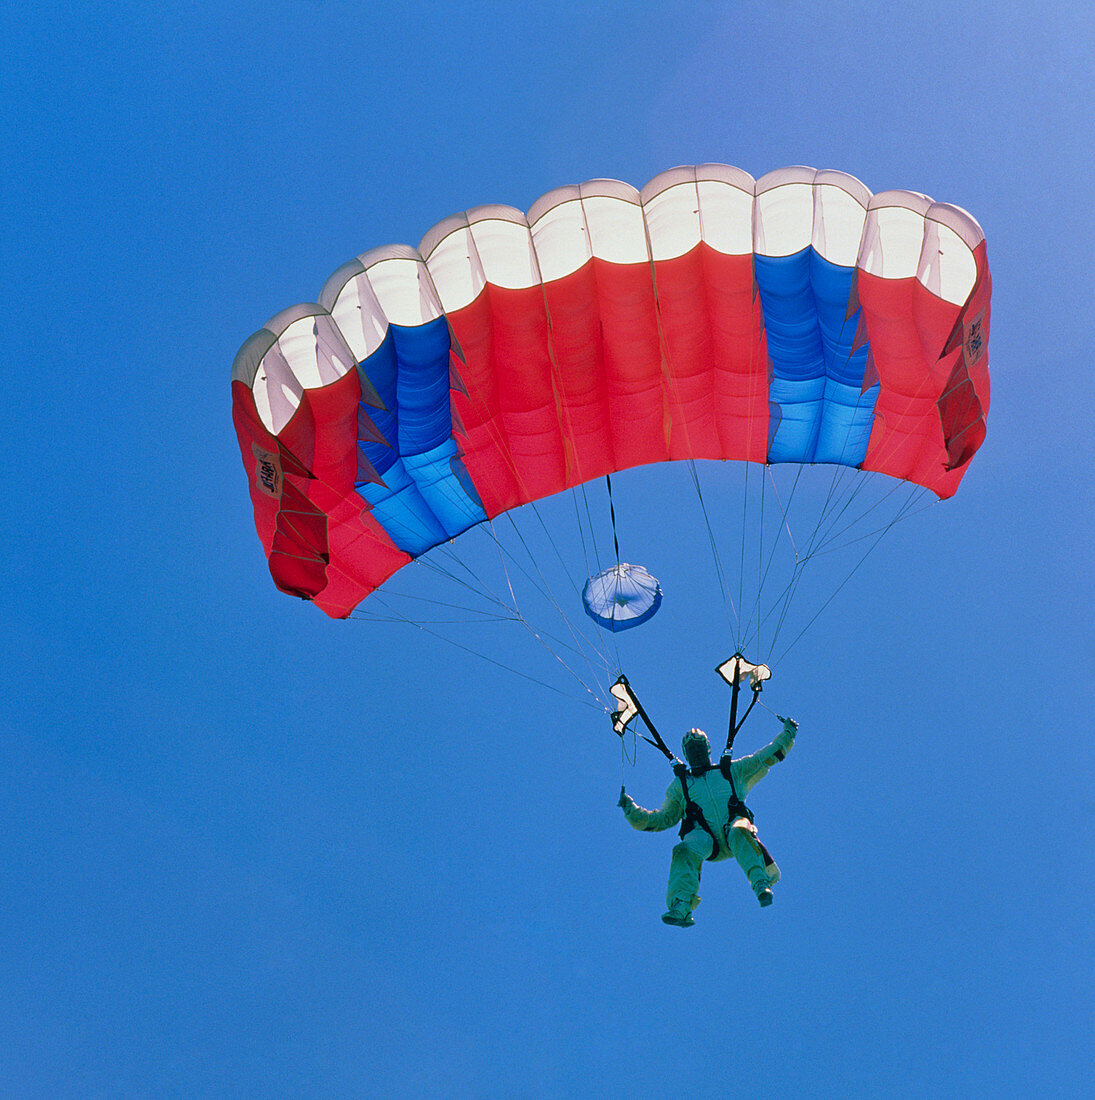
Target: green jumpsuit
{"points": [[738, 837]]}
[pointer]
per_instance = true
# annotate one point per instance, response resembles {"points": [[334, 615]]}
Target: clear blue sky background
{"points": [[249, 851]]}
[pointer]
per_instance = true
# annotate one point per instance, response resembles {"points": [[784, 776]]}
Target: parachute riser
{"points": [[732, 732], [757, 675], [733, 671], [732, 727], [640, 712]]}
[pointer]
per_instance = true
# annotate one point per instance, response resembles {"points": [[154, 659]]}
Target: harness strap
{"points": [[734, 805], [693, 814]]}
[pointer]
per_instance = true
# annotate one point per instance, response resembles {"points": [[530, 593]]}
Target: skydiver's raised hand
{"points": [[623, 798]]}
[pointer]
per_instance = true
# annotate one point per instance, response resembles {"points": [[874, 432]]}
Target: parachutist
{"points": [[715, 822]]}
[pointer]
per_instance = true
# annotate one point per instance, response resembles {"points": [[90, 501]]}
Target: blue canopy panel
{"points": [[423, 497], [819, 410]]}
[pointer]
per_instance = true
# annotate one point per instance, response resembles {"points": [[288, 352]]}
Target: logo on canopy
{"points": [[268, 475], [975, 338]]}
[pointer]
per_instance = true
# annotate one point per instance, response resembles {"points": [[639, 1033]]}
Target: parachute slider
{"points": [[736, 669], [629, 706]]}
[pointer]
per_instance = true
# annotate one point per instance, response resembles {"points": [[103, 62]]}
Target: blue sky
{"points": [[250, 851]]}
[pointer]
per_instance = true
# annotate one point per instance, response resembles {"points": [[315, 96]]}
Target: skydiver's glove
{"points": [[789, 725], [624, 798]]}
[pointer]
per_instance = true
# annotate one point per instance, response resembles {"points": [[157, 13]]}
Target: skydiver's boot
{"points": [[753, 859], [762, 887], [681, 893], [679, 913]]}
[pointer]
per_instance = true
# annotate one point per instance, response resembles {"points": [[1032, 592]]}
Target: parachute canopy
{"points": [[795, 318]]}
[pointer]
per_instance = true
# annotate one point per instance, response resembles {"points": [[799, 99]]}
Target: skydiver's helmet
{"points": [[697, 749]]}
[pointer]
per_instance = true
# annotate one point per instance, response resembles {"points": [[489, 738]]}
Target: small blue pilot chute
{"points": [[621, 597]]}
